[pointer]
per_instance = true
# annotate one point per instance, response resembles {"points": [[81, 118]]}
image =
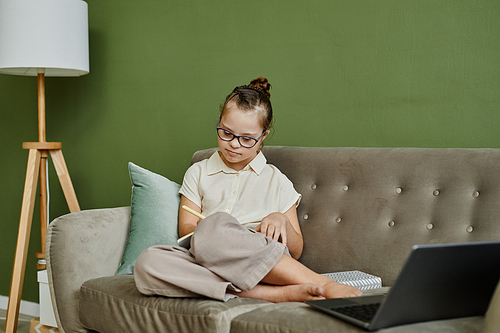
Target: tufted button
{"points": [[306, 216], [475, 194], [469, 229], [399, 190], [338, 219], [429, 226], [391, 224], [345, 187], [313, 186], [435, 193]]}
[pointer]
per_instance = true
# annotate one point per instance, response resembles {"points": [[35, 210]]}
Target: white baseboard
{"points": [[27, 307]]}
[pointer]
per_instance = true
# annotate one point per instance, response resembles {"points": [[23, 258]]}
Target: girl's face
{"points": [[244, 123]]}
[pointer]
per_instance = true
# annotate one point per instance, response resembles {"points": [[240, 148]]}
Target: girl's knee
{"points": [[145, 259], [216, 222]]}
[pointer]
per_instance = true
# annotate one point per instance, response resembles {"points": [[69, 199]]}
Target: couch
{"points": [[362, 209]]}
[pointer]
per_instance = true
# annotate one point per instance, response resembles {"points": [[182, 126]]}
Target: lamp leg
{"points": [[68, 190], [37, 156], [43, 206], [65, 180], [23, 236]]}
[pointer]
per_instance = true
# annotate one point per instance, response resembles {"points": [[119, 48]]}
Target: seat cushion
{"points": [[113, 304], [300, 318]]}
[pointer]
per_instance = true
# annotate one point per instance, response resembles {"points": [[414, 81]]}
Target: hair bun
{"points": [[262, 84]]}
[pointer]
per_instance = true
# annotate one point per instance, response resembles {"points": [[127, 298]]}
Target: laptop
{"points": [[438, 281]]}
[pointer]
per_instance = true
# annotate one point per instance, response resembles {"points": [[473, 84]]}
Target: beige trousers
{"points": [[224, 256]]}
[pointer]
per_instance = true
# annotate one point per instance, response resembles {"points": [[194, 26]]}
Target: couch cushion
{"points": [[153, 220], [300, 318], [113, 304]]}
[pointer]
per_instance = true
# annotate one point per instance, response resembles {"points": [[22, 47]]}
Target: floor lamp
{"points": [[41, 38]]}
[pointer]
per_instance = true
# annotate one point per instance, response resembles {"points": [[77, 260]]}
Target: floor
{"points": [[23, 325]]}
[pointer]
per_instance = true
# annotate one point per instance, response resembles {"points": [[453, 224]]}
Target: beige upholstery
{"points": [[492, 320], [300, 318], [362, 208], [113, 304], [81, 246]]}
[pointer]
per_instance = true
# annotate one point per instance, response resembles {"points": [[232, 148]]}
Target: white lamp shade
{"points": [[44, 35]]}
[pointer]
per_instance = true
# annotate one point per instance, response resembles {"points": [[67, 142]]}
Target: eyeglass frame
{"points": [[239, 136]]}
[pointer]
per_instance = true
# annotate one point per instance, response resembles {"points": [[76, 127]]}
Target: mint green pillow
{"points": [[154, 215]]}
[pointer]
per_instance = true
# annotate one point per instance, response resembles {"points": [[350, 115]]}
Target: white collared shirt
{"points": [[248, 195]]}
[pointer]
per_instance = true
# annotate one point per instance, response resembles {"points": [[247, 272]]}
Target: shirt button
{"points": [[228, 210]]}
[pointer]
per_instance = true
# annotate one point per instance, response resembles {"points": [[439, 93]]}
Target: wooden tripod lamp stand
{"points": [[41, 38]]}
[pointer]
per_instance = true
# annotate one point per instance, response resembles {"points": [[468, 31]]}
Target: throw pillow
{"points": [[154, 215]]}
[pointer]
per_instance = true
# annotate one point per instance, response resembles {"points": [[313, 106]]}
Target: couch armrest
{"points": [[82, 246]]}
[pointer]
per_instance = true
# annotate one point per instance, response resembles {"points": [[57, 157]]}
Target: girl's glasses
{"points": [[245, 141]]}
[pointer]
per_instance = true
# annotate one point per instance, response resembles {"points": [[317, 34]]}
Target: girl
{"points": [[235, 187]]}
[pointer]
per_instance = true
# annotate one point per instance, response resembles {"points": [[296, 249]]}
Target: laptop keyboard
{"points": [[363, 312]]}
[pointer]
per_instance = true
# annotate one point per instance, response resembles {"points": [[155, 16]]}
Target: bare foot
{"points": [[302, 292], [290, 293], [333, 289]]}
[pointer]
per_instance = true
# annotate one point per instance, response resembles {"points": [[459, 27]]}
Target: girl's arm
{"points": [[187, 221], [285, 228]]}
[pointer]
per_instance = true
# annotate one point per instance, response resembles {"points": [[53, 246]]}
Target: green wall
{"points": [[344, 73]]}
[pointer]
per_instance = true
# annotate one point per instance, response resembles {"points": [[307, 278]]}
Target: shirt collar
{"points": [[215, 164]]}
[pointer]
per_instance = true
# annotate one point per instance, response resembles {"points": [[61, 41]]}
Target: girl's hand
{"points": [[274, 226]]}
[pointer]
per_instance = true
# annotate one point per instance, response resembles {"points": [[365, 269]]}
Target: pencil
{"points": [[193, 212]]}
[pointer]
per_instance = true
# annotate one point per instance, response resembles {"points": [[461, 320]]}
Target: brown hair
{"points": [[253, 96]]}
